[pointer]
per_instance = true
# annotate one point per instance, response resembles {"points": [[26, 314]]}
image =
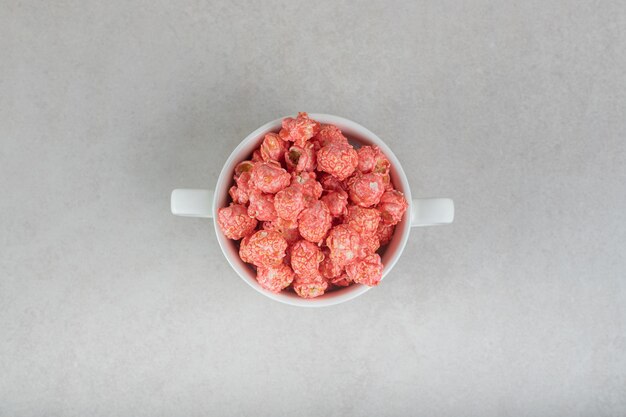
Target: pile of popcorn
{"points": [[311, 211]]}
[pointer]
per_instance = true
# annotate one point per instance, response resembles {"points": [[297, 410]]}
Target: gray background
{"points": [[110, 306]]}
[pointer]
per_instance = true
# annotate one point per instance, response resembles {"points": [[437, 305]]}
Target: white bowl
{"points": [[205, 203]]}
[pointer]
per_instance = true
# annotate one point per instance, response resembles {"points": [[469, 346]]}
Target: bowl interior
{"points": [[358, 136]]}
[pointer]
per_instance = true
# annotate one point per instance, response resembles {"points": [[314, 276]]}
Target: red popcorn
{"points": [[273, 148], [256, 156], [328, 268], [308, 185], [368, 271], [314, 222], [337, 201], [384, 233], [264, 248], [366, 189], [275, 278], [392, 206], [305, 259], [240, 192], [243, 166], [299, 130], [337, 160], [233, 192], [330, 135], [238, 195], [367, 159], [262, 206], [244, 250], [235, 221], [363, 220], [345, 245], [311, 211], [289, 203], [300, 159], [269, 177], [371, 159], [310, 288], [288, 229]]}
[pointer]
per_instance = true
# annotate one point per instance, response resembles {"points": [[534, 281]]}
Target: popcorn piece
{"points": [[269, 177], [363, 220], [300, 159], [367, 159], [345, 245], [244, 249], [244, 166], [314, 222], [368, 271], [262, 206], [366, 189], [310, 288], [264, 248], [330, 135], [273, 148], [384, 233], [299, 130], [392, 206], [305, 259], [235, 221], [238, 194], [289, 203], [328, 268], [337, 201], [308, 185], [337, 160], [371, 159], [256, 156], [275, 278]]}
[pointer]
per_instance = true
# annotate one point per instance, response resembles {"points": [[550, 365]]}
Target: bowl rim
{"points": [[352, 128]]}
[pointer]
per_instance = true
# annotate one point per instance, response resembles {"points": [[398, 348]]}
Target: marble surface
{"points": [[111, 306]]}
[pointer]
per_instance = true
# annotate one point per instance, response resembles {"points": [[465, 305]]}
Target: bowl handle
{"points": [[432, 211], [192, 202]]}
